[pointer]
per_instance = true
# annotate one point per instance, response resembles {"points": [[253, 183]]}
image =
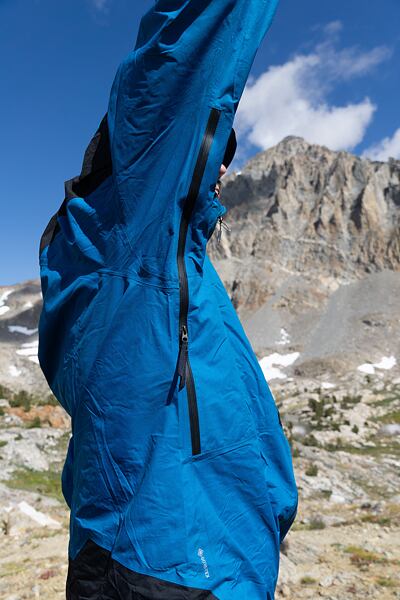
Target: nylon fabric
{"points": [[110, 332]]}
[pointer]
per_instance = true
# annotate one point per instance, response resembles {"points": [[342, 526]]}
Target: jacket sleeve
{"points": [[188, 54]]}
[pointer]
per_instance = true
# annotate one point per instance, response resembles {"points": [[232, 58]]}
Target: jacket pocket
{"points": [[232, 527]]}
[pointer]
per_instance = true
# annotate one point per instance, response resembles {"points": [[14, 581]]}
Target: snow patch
{"points": [[299, 430], [21, 329], [337, 499], [30, 350], [28, 305], [38, 516], [285, 338], [270, 364], [387, 362], [390, 429], [327, 386], [3, 298], [14, 372], [367, 368]]}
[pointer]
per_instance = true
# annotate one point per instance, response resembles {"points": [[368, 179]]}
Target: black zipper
{"points": [[184, 369]]}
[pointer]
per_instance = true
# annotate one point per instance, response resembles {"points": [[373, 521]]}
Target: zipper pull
{"points": [[183, 354], [221, 224]]}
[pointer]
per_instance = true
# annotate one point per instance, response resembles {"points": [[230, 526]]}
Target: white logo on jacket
{"points": [[200, 553]]}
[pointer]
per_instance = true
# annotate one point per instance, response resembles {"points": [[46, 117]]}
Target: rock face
{"points": [[314, 249], [20, 307], [305, 209]]}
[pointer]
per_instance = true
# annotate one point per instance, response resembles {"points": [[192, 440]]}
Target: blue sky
{"points": [[326, 71]]}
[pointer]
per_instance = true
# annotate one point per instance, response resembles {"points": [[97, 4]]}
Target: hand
{"points": [[222, 172]]}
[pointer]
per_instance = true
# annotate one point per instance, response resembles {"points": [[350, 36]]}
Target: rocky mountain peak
{"points": [[291, 146], [308, 207], [314, 249]]}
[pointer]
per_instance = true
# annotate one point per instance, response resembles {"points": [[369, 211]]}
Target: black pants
{"points": [[94, 575]]}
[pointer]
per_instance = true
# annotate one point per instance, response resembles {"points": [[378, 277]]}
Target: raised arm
{"points": [[190, 56]]}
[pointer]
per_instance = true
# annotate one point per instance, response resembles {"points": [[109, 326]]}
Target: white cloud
{"points": [[344, 64], [386, 148], [333, 28], [292, 98]]}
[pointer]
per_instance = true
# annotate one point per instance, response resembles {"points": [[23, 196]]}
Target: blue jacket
{"points": [[178, 464]]}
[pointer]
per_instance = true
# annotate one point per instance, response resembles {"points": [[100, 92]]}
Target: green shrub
{"points": [[361, 557], [312, 470], [379, 519], [51, 400], [26, 400], [295, 452], [328, 412], [307, 580], [21, 399], [316, 523], [391, 417], [347, 401], [317, 407], [42, 482], [5, 392], [34, 423], [386, 582], [326, 493], [310, 440]]}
